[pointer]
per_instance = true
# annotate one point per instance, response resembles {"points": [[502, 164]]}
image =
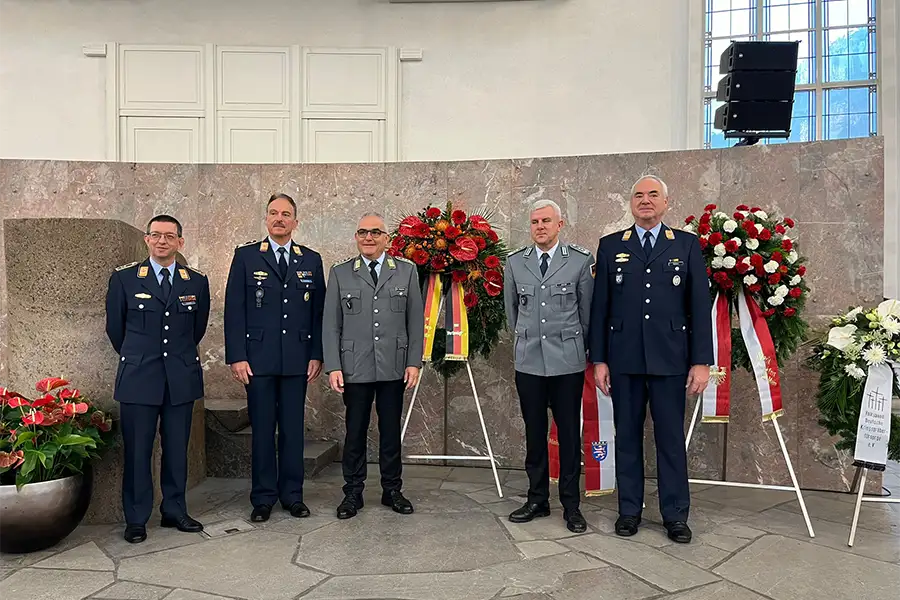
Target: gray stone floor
{"points": [[748, 545]]}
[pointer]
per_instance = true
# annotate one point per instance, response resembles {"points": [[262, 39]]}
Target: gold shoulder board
{"points": [[128, 266]]}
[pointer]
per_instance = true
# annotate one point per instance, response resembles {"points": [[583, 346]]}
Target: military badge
{"points": [[264, 247], [356, 264], [676, 280], [297, 251], [670, 235], [185, 300], [259, 275], [143, 296], [600, 450], [184, 274], [306, 297], [618, 278], [142, 272], [259, 296], [390, 263], [623, 257], [626, 236], [593, 270]]}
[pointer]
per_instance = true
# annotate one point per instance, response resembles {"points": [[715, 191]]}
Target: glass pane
{"points": [[721, 24], [802, 106], [837, 68], [850, 113], [859, 66], [779, 19], [742, 22], [836, 127], [837, 101], [838, 42], [739, 4], [858, 12], [718, 5], [858, 99], [859, 125], [801, 15], [835, 13]]}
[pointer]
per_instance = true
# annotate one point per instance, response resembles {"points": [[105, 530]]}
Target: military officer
{"points": [[273, 342], [547, 294], [156, 314], [373, 337], [651, 339]]}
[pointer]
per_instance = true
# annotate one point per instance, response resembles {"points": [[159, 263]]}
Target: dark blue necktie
{"points": [[647, 247]]}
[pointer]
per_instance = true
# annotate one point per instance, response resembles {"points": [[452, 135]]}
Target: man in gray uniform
{"points": [[373, 333], [547, 292]]}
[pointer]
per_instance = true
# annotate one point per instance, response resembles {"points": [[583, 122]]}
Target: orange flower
{"points": [[410, 251], [440, 244], [474, 274], [442, 225]]}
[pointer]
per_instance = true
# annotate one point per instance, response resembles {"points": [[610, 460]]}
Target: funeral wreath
{"points": [[460, 260]]}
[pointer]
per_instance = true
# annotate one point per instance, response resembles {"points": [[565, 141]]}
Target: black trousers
{"points": [[139, 423], [277, 401], [562, 395], [358, 397], [666, 395]]}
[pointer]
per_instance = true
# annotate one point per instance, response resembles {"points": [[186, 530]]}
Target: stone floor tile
{"points": [[650, 564], [417, 586], [256, 566], [299, 527], [752, 499], [697, 553], [543, 528], [158, 538], [464, 487], [381, 541], [540, 548], [192, 595], [503, 509], [425, 471], [441, 501], [602, 584], [723, 590], [544, 574], [86, 557], [128, 590], [477, 475], [489, 495], [838, 508], [45, 584], [787, 569], [81, 535], [5, 572]]}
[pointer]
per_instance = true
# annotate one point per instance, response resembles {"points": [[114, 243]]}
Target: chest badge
{"points": [[622, 257], [676, 280], [142, 272], [184, 274], [306, 297], [619, 278], [626, 236], [260, 275], [143, 296], [259, 296], [670, 235]]}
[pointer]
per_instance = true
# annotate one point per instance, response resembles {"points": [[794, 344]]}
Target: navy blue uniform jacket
{"points": [[157, 340], [274, 324], [651, 316]]}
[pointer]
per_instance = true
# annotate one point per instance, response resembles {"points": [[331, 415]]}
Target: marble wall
{"points": [[833, 189]]}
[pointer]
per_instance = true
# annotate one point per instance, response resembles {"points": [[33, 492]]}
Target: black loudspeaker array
{"points": [[757, 89]]}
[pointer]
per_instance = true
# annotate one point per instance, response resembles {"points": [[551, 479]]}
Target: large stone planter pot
{"points": [[41, 515]]}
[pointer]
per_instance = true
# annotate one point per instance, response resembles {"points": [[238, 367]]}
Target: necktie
{"points": [[647, 247], [373, 272], [165, 284], [544, 258], [282, 262]]}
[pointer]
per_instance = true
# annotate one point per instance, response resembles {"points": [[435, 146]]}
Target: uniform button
{"points": [[376, 310], [190, 308], [523, 289], [400, 294], [648, 270], [349, 296], [543, 304], [259, 283], [646, 316], [309, 336], [165, 341], [647, 301], [140, 306], [166, 327], [375, 298], [248, 335], [376, 324], [285, 286], [543, 337], [543, 287], [543, 320], [197, 358], [167, 313], [619, 270], [285, 316], [677, 268], [648, 285], [577, 332], [564, 289], [285, 300], [611, 327], [376, 338], [165, 354], [283, 331], [123, 359], [683, 327]]}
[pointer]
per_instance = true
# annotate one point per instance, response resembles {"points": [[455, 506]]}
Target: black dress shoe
{"points": [[529, 511], [678, 531], [397, 502], [627, 525], [575, 521], [261, 513], [299, 510], [349, 506], [183, 523], [135, 534]]}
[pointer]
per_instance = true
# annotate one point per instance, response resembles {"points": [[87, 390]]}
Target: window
{"points": [[837, 80]]}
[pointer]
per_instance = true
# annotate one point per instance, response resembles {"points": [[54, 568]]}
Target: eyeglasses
{"points": [[155, 236], [364, 232]]}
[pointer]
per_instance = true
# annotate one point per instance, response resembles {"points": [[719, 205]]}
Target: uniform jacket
{"points": [[157, 340], [373, 333], [651, 316], [274, 324], [551, 314]]}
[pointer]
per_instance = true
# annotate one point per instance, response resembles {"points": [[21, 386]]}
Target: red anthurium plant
{"points": [[51, 436]]}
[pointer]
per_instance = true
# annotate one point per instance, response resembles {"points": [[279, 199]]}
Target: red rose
{"points": [[715, 238], [492, 262], [479, 241], [789, 222], [703, 229], [709, 207], [470, 300], [755, 288], [703, 243], [774, 278], [451, 233], [742, 207], [787, 245], [492, 235], [756, 260], [765, 235], [690, 219], [801, 271], [439, 262], [493, 283], [459, 276], [433, 213], [731, 246], [780, 230], [777, 256], [458, 217], [790, 312], [464, 249], [769, 313], [795, 292], [420, 257]]}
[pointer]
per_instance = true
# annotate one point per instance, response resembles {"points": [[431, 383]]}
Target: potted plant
{"points": [[46, 448]]}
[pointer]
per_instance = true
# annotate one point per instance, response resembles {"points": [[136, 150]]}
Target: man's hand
{"points": [[313, 370], [601, 377], [697, 379], [411, 377], [241, 372], [336, 381]]}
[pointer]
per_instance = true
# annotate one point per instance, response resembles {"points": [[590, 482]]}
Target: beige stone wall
{"points": [[833, 189]]}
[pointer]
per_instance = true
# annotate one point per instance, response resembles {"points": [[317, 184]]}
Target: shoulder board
{"points": [[128, 266], [578, 248], [343, 262], [403, 259], [250, 243], [517, 250], [195, 270]]}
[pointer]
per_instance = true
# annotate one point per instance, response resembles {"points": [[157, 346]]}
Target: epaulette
{"points": [[195, 270], [578, 248], [517, 250], [403, 259], [128, 266], [343, 262], [250, 243]]}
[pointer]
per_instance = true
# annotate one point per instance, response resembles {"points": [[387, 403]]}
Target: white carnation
{"points": [[792, 256], [729, 226], [874, 355], [750, 279], [745, 213], [721, 215], [761, 215], [717, 262], [752, 244], [771, 266], [795, 280], [689, 228], [760, 228], [775, 300], [850, 316], [737, 241], [890, 324], [729, 262], [781, 291], [719, 249], [854, 371]]}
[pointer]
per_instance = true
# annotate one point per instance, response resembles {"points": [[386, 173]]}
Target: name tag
{"points": [[675, 262]]}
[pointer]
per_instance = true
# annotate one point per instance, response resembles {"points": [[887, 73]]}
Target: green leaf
{"points": [[23, 437], [31, 461], [75, 440]]}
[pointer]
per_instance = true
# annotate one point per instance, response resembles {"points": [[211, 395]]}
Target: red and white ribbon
{"points": [[717, 395], [761, 350]]}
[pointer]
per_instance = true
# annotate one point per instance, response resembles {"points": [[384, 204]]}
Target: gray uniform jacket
{"points": [[373, 333], [551, 314]]}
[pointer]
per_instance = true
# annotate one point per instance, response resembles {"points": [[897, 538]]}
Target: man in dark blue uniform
{"points": [[651, 339], [274, 300], [156, 315]]}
